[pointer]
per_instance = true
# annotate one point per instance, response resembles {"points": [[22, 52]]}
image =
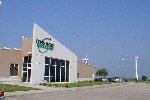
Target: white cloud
{"points": [[0, 2]]}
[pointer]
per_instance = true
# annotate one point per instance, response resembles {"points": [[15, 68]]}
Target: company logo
{"points": [[44, 45]]}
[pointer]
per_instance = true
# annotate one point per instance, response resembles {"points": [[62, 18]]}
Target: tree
{"points": [[144, 78], [102, 72]]}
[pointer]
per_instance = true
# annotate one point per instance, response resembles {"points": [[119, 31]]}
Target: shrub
{"points": [[144, 78], [66, 86], [98, 80]]}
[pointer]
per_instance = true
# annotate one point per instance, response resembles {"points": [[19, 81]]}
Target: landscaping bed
{"points": [[78, 84]]}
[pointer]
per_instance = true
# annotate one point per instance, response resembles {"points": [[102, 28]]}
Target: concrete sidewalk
{"points": [[45, 89]]}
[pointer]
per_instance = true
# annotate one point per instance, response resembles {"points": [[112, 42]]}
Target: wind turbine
{"points": [[136, 67], [85, 59]]}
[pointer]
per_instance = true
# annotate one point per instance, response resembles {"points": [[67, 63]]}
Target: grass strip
{"points": [[12, 88]]}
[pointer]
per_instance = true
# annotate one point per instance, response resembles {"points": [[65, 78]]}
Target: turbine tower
{"points": [[85, 59], [136, 69]]}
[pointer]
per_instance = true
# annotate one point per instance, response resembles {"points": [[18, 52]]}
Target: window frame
{"points": [[14, 65]]}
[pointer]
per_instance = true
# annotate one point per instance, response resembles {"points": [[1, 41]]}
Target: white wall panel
{"points": [[59, 51]]}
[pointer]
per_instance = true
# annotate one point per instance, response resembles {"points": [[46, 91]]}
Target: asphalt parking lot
{"points": [[123, 91]]}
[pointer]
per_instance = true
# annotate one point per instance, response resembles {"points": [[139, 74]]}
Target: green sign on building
{"points": [[44, 45]]}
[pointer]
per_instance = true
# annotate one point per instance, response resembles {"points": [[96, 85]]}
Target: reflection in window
{"points": [[14, 70], [59, 70], [24, 69], [29, 58], [24, 65], [78, 75], [25, 59], [62, 74], [52, 70], [67, 71], [29, 65], [47, 60], [46, 70]]}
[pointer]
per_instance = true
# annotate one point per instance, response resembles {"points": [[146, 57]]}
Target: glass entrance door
{"points": [[26, 68], [26, 75], [29, 75]]}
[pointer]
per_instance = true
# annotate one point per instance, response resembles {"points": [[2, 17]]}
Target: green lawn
{"points": [[12, 88], [78, 84]]}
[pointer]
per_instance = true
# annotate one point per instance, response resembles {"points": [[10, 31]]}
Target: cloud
{"points": [[0, 2]]}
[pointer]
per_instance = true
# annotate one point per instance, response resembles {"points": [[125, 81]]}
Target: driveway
{"points": [[122, 91]]}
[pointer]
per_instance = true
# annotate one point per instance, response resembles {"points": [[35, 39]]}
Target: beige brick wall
{"points": [[8, 56], [27, 46], [85, 70]]}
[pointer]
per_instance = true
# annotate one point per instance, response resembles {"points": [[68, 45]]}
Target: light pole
{"points": [[136, 69]]}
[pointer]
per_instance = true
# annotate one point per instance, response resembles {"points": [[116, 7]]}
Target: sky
{"points": [[106, 30]]}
